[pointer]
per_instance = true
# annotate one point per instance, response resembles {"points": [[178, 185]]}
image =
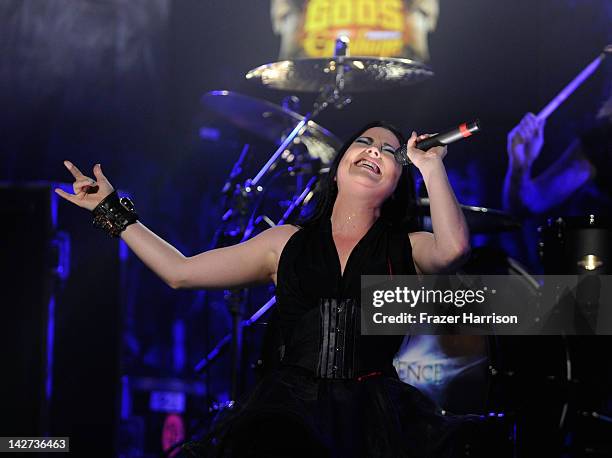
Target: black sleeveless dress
{"points": [[336, 393]]}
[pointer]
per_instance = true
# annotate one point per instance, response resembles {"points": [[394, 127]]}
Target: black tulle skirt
{"points": [[293, 414]]}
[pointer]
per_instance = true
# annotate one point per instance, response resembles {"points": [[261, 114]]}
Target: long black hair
{"points": [[398, 209]]}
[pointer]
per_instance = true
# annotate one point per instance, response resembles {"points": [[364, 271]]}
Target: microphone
{"points": [[467, 129]]}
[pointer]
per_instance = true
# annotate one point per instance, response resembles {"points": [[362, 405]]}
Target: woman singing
{"points": [[336, 393]]}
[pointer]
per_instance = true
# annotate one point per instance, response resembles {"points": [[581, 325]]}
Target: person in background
{"points": [[578, 183]]}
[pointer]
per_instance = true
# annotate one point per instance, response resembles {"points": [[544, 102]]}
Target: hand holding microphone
{"points": [[425, 143]]}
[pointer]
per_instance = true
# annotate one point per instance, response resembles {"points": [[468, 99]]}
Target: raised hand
{"points": [[422, 158], [88, 193], [525, 141]]}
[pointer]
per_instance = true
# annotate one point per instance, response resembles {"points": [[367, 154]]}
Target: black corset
{"points": [[339, 325]]}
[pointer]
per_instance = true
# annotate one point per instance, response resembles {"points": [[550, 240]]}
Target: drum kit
{"points": [[457, 371]]}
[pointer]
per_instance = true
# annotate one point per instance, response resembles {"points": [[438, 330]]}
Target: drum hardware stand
{"points": [[236, 299], [332, 94], [225, 235], [292, 205], [205, 362], [237, 303], [242, 199], [230, 189], [299, 200]]}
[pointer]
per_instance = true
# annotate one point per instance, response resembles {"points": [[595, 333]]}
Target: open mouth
{"points": [[368, 165]]}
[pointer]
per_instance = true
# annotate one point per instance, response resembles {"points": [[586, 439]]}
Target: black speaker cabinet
{"points": [[61, 321]]}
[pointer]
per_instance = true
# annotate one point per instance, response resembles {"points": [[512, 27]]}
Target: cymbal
{"points": [[361, 74], [480, 220], [271, 122]]}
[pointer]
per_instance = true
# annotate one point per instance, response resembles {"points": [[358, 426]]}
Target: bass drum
{"points": [[489, 374]]}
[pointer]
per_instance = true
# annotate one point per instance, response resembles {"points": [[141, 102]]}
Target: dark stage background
{"points": [[119, 82]]}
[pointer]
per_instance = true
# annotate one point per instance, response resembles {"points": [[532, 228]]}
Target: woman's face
{"points": [[368, 166]]}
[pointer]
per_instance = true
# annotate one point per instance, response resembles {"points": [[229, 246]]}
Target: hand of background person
{"points": [[525, 141], [422, 158], [88, 193]]}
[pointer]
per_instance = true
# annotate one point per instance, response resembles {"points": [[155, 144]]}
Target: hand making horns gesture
{"points": [[88, 193]]}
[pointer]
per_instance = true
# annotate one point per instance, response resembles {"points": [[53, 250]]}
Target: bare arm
{"points": [[253, 261], [524, 194], [449, 245]]}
